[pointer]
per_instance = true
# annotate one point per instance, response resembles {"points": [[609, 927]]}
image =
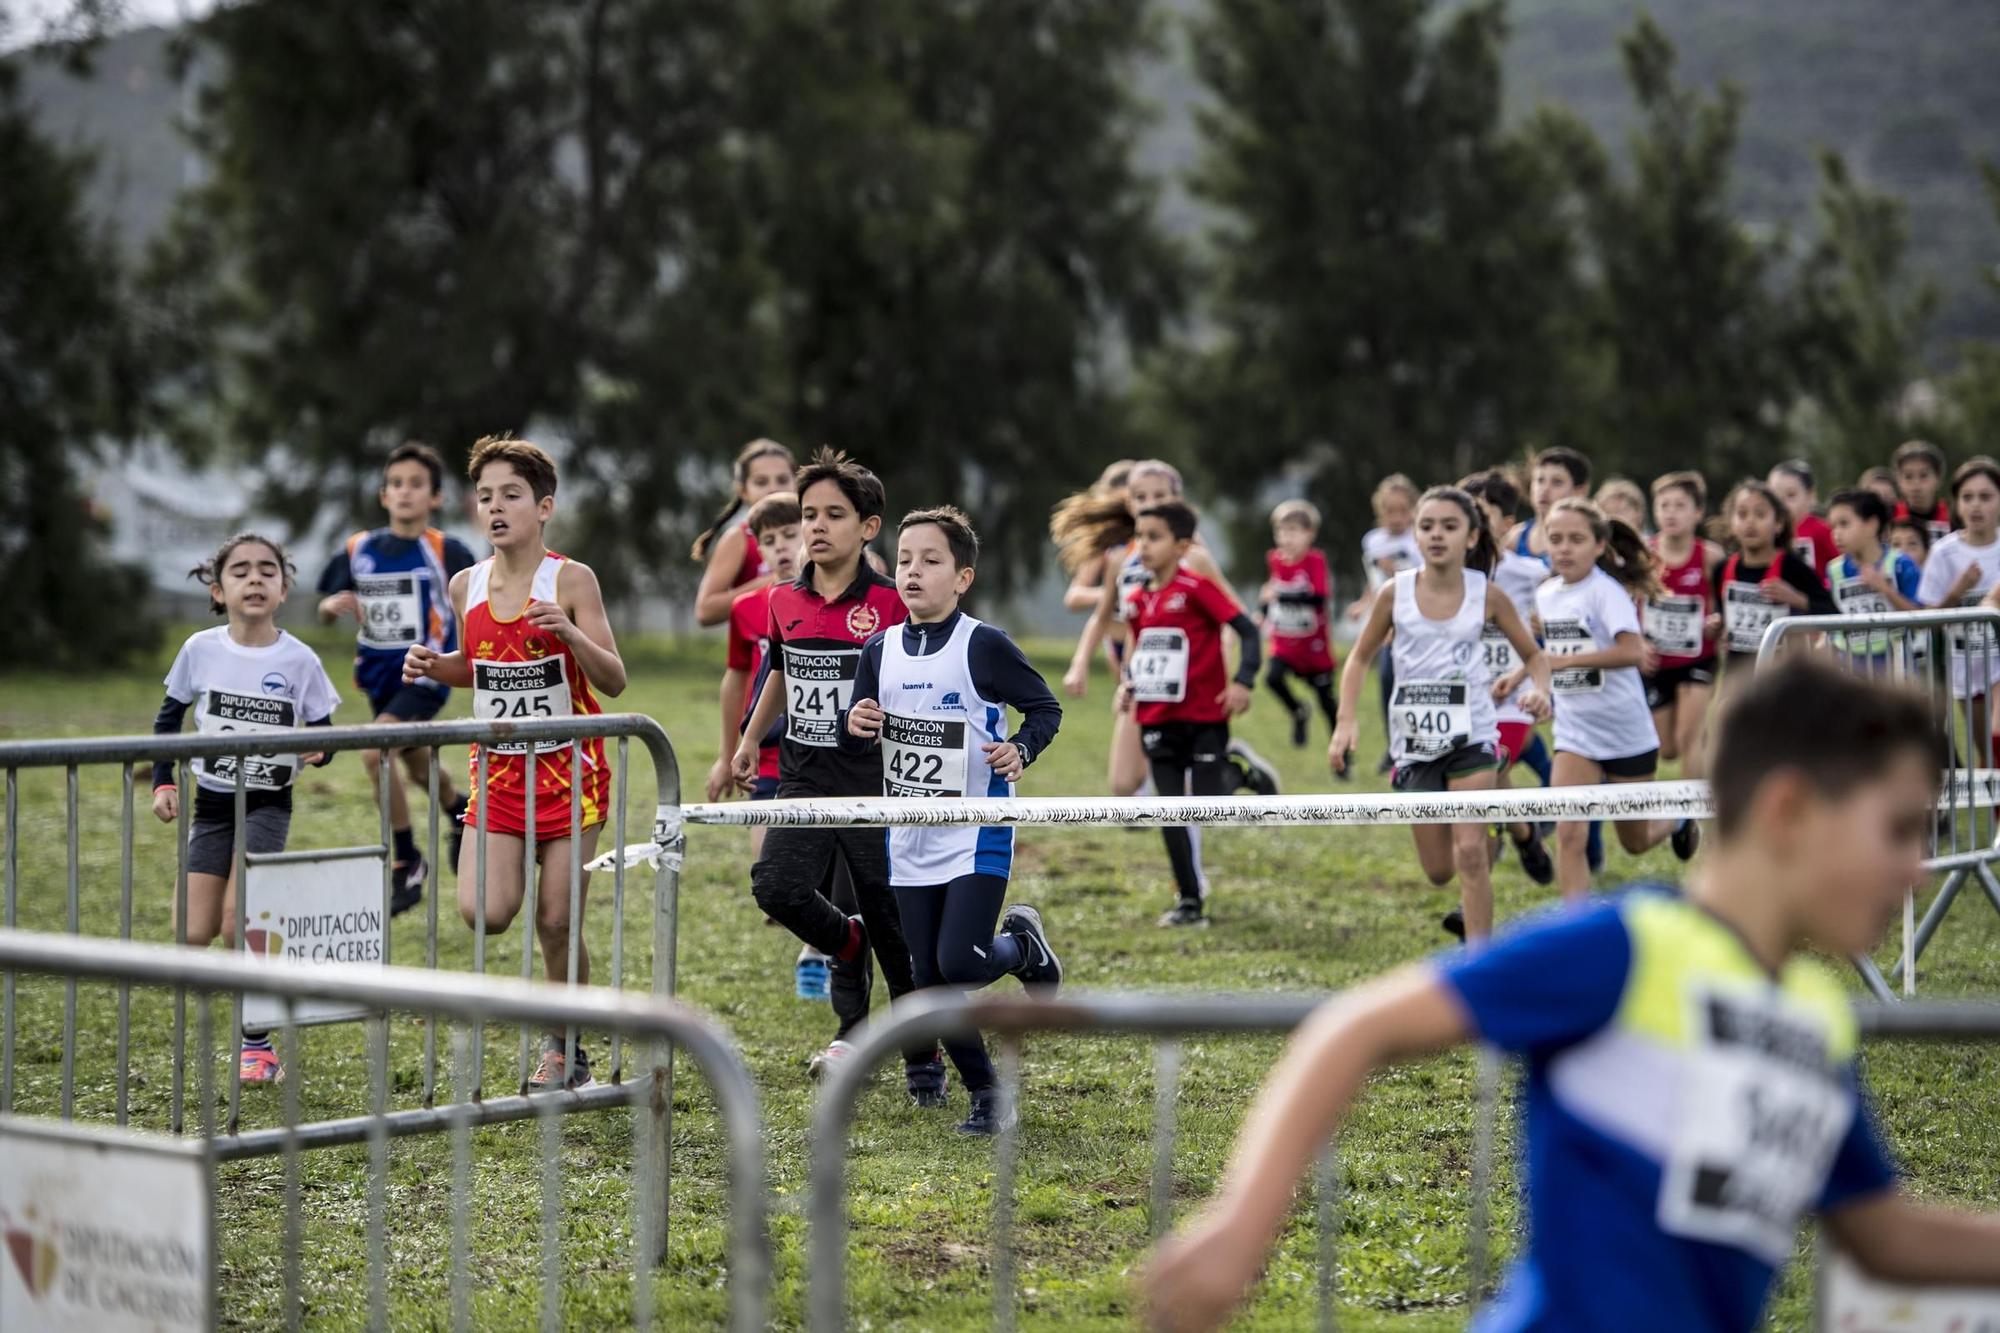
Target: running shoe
{"points": [[811, 977], [1687, 837], [260, 1065], [1040, 968], [407, 887], [1536, 863], [550, 1072], [1186, 912], [925, 1082], [1454, 923], [822, 1064], [990, 1114], [1258, 775], [457, 812], [1301, 728]]}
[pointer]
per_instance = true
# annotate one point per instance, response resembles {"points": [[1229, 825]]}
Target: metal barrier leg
{"points": [[618, 904], [293, 1037], [462, 1047], [1485, 1123], [1006, 1166], [1326, 1201], [378, 1170], [1166, 1092], [123, 1055], [530, 845], [10, 913], [477, 1087], [184, 787], [74, 903], [431, 892]]}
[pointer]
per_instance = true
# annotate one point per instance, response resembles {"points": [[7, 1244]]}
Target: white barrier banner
{"points": [[1853, 1302], [106, 1230], [312, 911]]}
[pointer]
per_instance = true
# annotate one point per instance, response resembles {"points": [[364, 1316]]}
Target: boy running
{"points": [[1294, 611]]}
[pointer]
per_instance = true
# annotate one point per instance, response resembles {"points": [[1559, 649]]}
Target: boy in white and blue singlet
{"points": [[933, 693]]}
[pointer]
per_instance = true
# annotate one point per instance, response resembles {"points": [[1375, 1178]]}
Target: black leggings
{"points": [[1191, 757], [1278, 674], [950, 930]]}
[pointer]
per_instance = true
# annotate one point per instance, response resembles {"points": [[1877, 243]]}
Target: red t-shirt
{"points": [[753, 559], [1297, 618], [1812, 542], [1175, 659], [1680, 614], [749, 624], [816, 645], [1938, 520]]}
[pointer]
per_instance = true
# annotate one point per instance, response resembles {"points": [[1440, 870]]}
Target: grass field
{"points": [[1294, 909]]}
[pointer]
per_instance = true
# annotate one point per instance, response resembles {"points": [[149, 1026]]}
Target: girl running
{"points": [[246, 675], [1680, 674], [1869, 577], [1604, 731], [727, 552], [1965, 566], [1765, 580], [1441, 720], [1086, 528]]}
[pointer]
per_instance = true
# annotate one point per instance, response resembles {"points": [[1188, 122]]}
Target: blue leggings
{"points": [[949, 928]]}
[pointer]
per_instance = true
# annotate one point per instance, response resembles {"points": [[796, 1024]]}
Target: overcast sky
{"points": [[25, 20]]}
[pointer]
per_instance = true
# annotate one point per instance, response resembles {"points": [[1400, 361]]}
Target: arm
{"points": [[336, 581], [1500, 610], [1102, 621], [1374, 633], [1899, 1240], [770, 704], [577, 618], [453, 668], [1249, 657], [859, 727], [1086, 586], [718, 578], [1628, 649], [1201, 1272], [735, 684], [1819, 602], [1000, 670], [166, 792]]}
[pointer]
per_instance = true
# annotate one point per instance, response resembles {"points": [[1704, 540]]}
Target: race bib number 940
{"points": [[520, 692], [1430, 717], [923, 756]]}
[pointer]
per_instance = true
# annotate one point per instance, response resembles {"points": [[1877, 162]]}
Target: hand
{"points": [[1649, 657], [1785, 594], [340, 604], [743, 767], [551, 619], [1508, 683], [1534, 704], [1075, 679], [1711, 627], [864, 719], [1873, 579], [1341, 747], [1197, 1276], [1125, 697], [1968, 579], [1235, 699], [167, 804], [1005, 758], [419, 662], [719, 781], [312, 760], [1268, 591], [1357, 608]]}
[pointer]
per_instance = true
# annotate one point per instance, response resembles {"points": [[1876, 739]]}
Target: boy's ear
{"points": [[965, 577], [871, 527]]}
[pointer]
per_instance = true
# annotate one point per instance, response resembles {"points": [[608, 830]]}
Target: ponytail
{"points": [[740, 476], [1626, 557]]}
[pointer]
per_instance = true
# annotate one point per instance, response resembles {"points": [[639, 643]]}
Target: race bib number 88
{"points": [[520, 692]]}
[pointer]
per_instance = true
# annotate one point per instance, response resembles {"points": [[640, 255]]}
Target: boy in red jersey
{"points": [[533, 642], [1176, 682], [1294, 608], [818, 623]]}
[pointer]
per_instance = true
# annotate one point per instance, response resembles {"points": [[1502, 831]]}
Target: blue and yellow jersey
{"points": [[1684, 1110]]}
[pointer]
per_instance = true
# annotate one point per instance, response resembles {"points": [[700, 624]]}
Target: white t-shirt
{"points": [[1601, 712], [1400, 548], [234, 688], [1975, 658]]}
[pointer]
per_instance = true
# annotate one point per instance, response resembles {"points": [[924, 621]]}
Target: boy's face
{"points": [[1906, 540], [1850, 533], [1625, 509], [1919, 483], [1550, 483], [407, 492], [1856, 854], [1675, 512], [780, 549], [1292, 538], [1395, 511], [1977, 503], [833, 528], [1159, 549], [927, 576], [508, 509], [1885, 488], [1792, 491]]}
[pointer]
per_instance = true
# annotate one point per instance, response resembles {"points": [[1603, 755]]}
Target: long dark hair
{"points": [[209, 571], [1625, 557], [1484, 553], [740, 476]]}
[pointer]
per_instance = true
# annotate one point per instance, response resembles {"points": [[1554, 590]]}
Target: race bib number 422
{"points": [[1746, 614], [520, 692], [819, 684], [923, 756]]}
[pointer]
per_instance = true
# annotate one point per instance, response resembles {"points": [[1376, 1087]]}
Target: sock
{"points": [[406, 846], [257, 1041]]}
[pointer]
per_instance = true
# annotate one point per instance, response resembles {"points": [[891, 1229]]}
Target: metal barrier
{"points": [[1952, 655], [658, 1024], [235, 1141]]}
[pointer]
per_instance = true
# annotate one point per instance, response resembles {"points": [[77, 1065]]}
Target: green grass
{"points": [[1295, 909]]}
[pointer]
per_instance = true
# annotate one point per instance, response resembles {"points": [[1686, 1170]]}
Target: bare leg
{"points": [[1573, 835]]}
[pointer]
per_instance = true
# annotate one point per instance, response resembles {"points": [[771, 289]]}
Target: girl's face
{"points": [[768, 474], [1792, 491], [1495, 520], [1919, 484], [1444, 533], [1753, 523], [1675, 513], [1978, 504], [1573, 547], [251, 583], [1909, 543], [1625, 509], [1393, 510], [1147, 489], [1853, 534]]}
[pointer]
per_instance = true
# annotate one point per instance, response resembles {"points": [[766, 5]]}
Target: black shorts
{"points": [[1631, 766], [1185, 744], [212, 840], [407, 703], [1664, 685], [1433, 775]]}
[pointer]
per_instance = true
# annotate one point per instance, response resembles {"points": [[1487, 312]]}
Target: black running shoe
{"points": [[407, 888], [926, 1083], [1454, 923], [1040, 968], [1301, 728], [989, 1115], [1186, 912], [1686, 838], [1536, 863], [1257, 775]]}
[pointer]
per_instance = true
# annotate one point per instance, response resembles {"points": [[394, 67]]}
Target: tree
{"points": [[1393, 277]]}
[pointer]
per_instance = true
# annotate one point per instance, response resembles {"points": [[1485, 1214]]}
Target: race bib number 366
{"points": [[923, 756], [520, 692], [391, 609], [819, 684]]}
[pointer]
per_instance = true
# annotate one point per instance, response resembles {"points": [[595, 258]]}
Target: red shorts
{"points": [[506, 804], [1515, 737]]}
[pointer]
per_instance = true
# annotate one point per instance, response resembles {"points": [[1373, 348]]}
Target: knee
{"points": [[959, 967], [1632, 837], [1468, 852], [371, 762], [768, 891], [497, 919], [1440, 875], [552, 922], [1572, 835]]}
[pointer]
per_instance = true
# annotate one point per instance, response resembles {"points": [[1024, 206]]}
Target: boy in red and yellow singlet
{"points": [[534, 643]]}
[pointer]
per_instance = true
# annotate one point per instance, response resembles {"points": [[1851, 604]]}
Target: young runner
{"points": [[1294, 611], [1761, 581], [818, 623], [727, 552], [1811, 537], [1557, 474], [1964, 566], [1590, 626], [534, 643], [1919, 468], [1692, 1086], [1869, 578], [1882, 481], [1681, 676], [246, 675], [1387, 549], [1175, 687], [933, 693], [1086, 528], [1442, 721], [393, 581], [1518, 741], [1911, 536], [1621, 498]]}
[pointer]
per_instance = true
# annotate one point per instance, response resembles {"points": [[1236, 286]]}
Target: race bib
{"points": [[520, 692], [1746, 614], [1762, 1114], [223, 713], [1498, 650], [1159, 666], [1855, 598], [392, 608], [819, 684], [1570, 638], [1294, 620], [1970, 639], [923, 756], [1673, 625], [1430, 718]]}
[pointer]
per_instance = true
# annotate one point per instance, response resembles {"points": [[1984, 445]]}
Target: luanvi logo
{"points": [[33, 1248]]}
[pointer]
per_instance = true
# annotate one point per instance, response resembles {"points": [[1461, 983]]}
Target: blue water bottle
{"points": [[813, 977]]}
